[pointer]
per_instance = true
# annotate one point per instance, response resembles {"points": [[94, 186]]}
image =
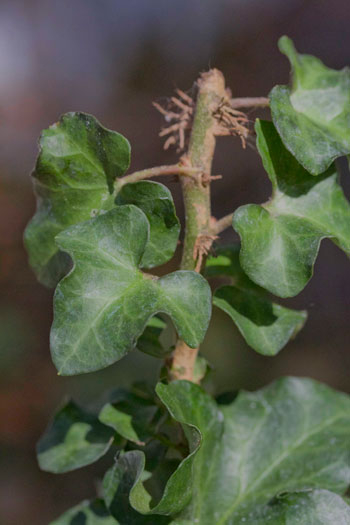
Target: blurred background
{"points": [[112, 59]]}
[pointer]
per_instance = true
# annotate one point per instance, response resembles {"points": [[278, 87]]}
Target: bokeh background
{"points": [[112, 59]]}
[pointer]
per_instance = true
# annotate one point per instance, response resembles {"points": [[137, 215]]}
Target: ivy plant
{"points": [[101, 236]]}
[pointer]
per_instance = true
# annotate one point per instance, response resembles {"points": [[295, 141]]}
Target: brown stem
{"points": [[221, 224], [172, 169], [250, 102], [210, 93]]}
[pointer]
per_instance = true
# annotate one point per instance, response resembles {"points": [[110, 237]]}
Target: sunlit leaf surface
{"points": [[313, 115]]}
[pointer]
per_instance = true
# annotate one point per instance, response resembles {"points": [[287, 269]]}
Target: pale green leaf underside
{"points": [[313, 116], [317, 507], [265, 325], [281, 239], [87, 513], [156, 201], [74, 439], [129, 415], [103, 305], [292, 435], [78, 162]]}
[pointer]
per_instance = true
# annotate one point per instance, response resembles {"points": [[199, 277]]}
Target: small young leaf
{"points": [[201, 369], [266, 326], [317, 507], [104, 304], [281, 239], [156, 202], [78, 162], [129, 415], [313, 116], [292, 435], [74, 439], [87, 513]]}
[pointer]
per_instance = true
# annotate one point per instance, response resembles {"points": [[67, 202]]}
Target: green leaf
{"points": [[149, 342], [117, 484], [78, 162], [281, 239], [127, 474], [156, 201], [201, 369], [103, 305], [129, 415], [74, 439], [317, 507], [292, 435], [225, 263], [266, 326], [313, 116], [87, 513]]}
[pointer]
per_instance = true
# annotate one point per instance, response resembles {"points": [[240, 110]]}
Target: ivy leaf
{"points": [[317, 507], [149, 342], [290, 436], [74, 439], [103, 305], [129, 415], [265, 326], [313, 116], [118, 482], [125, 480], [78, 162], [281, 239], [156, 201], [87, 513]]}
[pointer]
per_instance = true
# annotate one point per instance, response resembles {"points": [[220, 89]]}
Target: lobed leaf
{"points": [[290, 436], [103, 305], [156, 201], [265, 325], [281, 239], [74, 439], [313, 116], [73, 179]]}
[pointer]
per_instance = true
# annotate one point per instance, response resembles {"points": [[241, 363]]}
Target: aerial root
{"points": [[202, 247], [230, 121], [179, 112]]}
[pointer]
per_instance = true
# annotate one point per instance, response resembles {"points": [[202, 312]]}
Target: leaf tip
{"points": [[286, 46]]}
